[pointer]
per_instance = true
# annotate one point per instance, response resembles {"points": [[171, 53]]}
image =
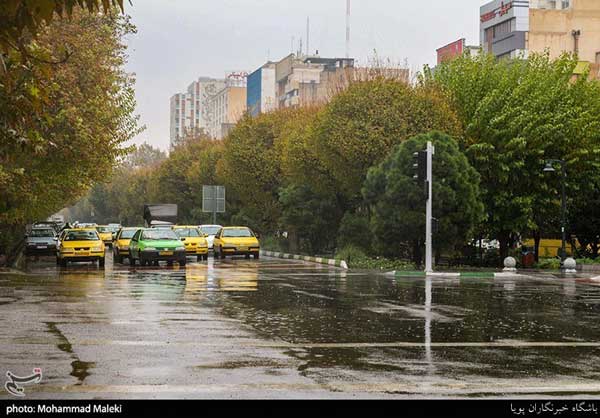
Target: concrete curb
{"points": [[317, 260], [463, 275]]}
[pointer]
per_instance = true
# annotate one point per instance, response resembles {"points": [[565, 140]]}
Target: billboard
{"points": [[452, 50]]}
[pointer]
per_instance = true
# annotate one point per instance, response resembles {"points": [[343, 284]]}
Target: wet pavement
{"points": [[274, 328]]}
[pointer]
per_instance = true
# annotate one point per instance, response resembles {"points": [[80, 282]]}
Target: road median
{"points": [[317, 260]]}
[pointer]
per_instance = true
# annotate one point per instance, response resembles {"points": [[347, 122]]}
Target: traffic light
{"points": [[420, 166]]}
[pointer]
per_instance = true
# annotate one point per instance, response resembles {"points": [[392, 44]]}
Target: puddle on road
{"points": [[79, 368]]}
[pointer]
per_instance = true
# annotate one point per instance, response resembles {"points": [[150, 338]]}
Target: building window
{"points": [[504, 28]]}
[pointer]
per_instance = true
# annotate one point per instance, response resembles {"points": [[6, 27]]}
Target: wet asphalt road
{"points": [[285, 329]]}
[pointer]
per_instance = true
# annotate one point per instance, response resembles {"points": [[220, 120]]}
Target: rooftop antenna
{"points": [[347, 28], [308, 36]]}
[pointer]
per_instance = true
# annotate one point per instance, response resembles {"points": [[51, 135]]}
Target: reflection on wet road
{"points": [[285, 329]]}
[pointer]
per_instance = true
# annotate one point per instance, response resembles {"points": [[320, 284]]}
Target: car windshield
{"points": [[159, 234], [82, 236], [103, 229], [187, 232], [128, 234], [237, 233], [210, 230], [42, 233]]}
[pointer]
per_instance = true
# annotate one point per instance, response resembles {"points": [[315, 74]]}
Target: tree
{"points": [[63, 125], [361, 125], [398, 202], [309, 218], [145, 155], [21, 17], [250, 168], [516, 114]]}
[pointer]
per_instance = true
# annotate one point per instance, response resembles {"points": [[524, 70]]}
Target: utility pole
{"points": [[423, 167], [429, 215]]}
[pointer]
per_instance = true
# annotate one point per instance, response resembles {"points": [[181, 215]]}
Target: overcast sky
{"points": [[180, 40]]}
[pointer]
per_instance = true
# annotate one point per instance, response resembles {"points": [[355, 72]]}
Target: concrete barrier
{"points": [[463, 275], [316, 260]]}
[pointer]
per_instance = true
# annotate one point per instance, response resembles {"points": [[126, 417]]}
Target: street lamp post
{"points": [[550, 169]]}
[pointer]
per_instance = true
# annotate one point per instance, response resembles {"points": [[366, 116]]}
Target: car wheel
{"points": [[101, 263], [256, 256], [182, 262], [199, 258], [57, 261], [131, 259], [221, 254], [118, 259], [63, 263], [205, 257], [247, 256]]}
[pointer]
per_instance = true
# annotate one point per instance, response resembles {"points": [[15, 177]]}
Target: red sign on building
{"points": [[500, 11]]}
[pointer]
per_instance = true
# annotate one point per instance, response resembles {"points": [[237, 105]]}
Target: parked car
{"points": [[236, 240], [121, 244], [149, 246], [194, 241], [82, 244], [210, 231], [40, 241]]}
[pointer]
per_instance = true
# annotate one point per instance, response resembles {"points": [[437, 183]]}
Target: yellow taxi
{"points": [[236, 240], [82, 244], [194, 241], [105, 233], [121, 244]]}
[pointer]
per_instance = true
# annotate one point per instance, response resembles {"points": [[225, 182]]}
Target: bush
{"points": [[354, 231], [356, 258], [274, 243], [588, 261], [548, 264], [350, 253]]}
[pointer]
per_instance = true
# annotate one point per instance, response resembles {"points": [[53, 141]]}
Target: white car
{"points": [[210, 231]]}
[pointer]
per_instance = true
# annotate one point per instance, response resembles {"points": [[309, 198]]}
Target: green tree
{"points": [[515, 115], [250, 168], [22, 19], [309, 218], [145, 155], [398, 203], [63, 125], [363, 123]]}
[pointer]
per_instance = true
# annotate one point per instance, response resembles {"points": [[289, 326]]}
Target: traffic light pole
{"points": [[429, 215]]}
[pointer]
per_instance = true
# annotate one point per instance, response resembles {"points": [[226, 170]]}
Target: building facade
{"points": [[510, 29], [308, 80], [189, 111], [261, 95], [455, 49], [227, 106]]}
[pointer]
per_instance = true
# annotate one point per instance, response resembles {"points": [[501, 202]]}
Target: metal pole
{"points": [[429, 216], [563, 256]]}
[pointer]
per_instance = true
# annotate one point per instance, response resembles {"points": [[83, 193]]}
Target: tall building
{"points": [[190, 113], [262, 97], [296, 80], [308, 80], [227, 106], [511, 28]]}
